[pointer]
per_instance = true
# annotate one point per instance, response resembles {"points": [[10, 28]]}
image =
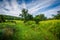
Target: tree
{"points": [[57, 16], [30, 17], [2, 19], [39, 18], [25, 15]]}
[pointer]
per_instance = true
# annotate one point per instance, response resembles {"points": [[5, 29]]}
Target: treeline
{"points": [[8, 17], [3, 18], [25, 16]]}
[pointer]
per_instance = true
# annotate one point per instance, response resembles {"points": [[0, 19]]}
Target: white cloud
{"points": [[51, 12], [33, 7], [14, 8], [23, 4], [40, 5]]}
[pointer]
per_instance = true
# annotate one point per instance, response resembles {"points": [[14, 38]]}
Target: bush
{"points": [[8, 32]]}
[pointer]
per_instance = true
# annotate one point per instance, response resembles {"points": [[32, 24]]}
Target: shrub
{"points": [[8, 32]]}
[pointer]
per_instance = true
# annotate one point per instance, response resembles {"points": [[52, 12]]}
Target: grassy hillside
{"points": [[45, 30]]}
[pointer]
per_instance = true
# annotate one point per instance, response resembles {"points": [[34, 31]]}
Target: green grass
{"points": [[45, 30]]}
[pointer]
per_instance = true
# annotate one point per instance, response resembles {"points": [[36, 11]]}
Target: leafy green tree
{"points": [[30, 17], [25, 15], [39, 18], [57, 16], [2, 19]]}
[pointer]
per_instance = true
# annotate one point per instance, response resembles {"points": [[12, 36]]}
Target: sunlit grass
{"points": [[45, 30]]}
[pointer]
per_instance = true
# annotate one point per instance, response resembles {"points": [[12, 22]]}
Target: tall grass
{"points": [[45, 30]]}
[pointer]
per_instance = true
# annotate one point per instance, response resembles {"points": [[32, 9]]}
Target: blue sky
{"points": [[35, 7]]}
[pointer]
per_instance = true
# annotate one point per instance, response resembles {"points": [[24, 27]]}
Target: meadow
{"points": [[45, 30]]}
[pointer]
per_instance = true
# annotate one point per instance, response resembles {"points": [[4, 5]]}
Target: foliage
{"points": [[46, 30], [7, 17], [2, 19], [25, 15], [39, 18], [8, 31], [57, 16]]}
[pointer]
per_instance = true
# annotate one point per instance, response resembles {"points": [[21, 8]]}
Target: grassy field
{"points": [[45, 30]]}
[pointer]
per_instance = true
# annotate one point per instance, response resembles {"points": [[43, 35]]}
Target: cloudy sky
{"points": [[35, 7]]}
